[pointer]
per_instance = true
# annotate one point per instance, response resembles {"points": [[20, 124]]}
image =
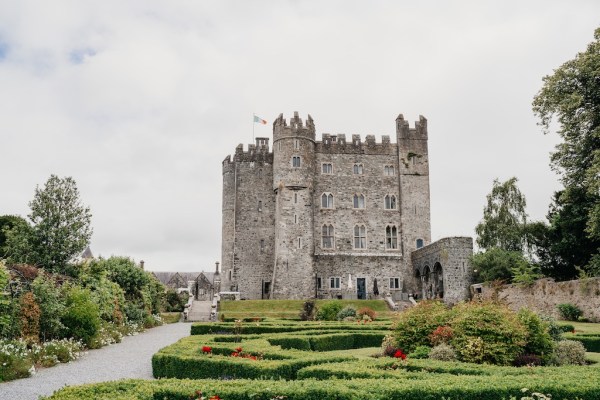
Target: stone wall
{"points": [[452, 255], [545, 295]]}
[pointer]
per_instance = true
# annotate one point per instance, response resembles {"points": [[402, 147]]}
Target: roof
{"points": [[166, 277]]}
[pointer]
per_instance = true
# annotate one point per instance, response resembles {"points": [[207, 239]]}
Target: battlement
{"points": [[338, 144], [405, 132], [296, 127], [258, 152]]}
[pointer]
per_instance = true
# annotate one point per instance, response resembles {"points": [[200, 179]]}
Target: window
{"points": [[359, 201], [419, 243], [360, 237], [260, 205], [391, 237], [326, 168], [357, 169], [327, 237], [295, 197], [327, 200], [296, 144], [279, 145], [229, 274], [334, 282], [260, 173], [394, 283], [299, 243], [295, 218], [262, 245], [390, 202], [319, 283], [296, 162], [388, 170]]}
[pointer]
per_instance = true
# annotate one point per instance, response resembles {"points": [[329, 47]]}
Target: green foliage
{"points": [[569, 311], [175, 302], [60, 227], [309, 310], [539, 341], [52, 306], [590, 342], [7, 306], [130, 277], [346, 312], [504, 218], [443, 352], [487, 332], [420, 352], [14, 360], [568, 352], [329, 311], [7, 222], [525, 273], [413, 326], [499, 264], [81, 316], [570, 95]]}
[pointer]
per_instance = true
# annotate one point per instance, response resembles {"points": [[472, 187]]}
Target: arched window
{"points": [[390, 202], [388, 170], [360, 237], [260, 205], [327, 236], [391, 237], [326, 168], [327, 200], [359, 201], [296, 162], [357, 169], [419, 243]]}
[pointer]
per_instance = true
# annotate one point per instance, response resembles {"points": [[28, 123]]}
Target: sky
{"points": [[140, 101]]}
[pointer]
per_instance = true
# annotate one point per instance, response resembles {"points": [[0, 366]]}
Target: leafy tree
{"points": [[497, 264], [7, 222], [571, 95], [504, 218], [7, 307], [131, 278], [60, 227]]}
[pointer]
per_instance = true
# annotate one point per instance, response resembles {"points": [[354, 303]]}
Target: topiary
{"points": [[329, 311], [442, 352], [347, 312], [569, 311], [568, 352], [413, 326]]}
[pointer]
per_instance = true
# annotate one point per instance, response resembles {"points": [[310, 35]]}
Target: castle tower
{"points": [[293, 175], [414, 184], [228, 278]]}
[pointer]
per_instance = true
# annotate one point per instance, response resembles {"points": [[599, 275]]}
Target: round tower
{"points": [[293, 174]]}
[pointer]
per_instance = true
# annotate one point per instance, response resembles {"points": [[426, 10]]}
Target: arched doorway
{"points": [[438, 281], [419, 292], [426, 283]]}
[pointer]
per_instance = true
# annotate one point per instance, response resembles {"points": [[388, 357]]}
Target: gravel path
{"points": [[129, 359]]}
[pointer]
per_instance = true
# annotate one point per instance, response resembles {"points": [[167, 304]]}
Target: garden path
{"points": [[200, 311], [129, 359]]}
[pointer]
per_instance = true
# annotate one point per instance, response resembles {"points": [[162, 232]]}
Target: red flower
{"points": [[234, 354], [399, 354], [238, 349], [206, 349], [253, 358], [215, 397]]}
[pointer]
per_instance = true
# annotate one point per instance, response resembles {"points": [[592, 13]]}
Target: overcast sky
{"points": [[140, 101]]}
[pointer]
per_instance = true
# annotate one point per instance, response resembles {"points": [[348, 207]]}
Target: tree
{"points": [[504, 218], [60, 227], [8, 222], [571, 95], [498, 264]]}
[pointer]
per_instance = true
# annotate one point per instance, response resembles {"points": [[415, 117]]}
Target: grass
{"points": [[290, 309], [593, 357], [170, 317], [583, 327]]}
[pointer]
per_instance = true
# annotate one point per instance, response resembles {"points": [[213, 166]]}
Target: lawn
{"points": [[583, 327], [290, 309]]}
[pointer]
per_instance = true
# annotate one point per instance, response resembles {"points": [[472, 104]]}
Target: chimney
{"points": [[217, 268], [142, 264]]}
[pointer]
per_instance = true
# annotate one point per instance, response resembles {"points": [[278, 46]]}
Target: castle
{"points": [[336, 218]]}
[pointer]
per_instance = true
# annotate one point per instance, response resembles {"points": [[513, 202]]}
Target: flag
{"points": [[259, 120]]}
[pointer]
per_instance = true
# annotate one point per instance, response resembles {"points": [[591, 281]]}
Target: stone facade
{"points": [[332, 218]]}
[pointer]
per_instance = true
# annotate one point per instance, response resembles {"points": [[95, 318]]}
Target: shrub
{"points": [[415, 324], [29, 318], [530, 360], [420, 352], [175, 302], [309, 309], [569, 311], [52, 306], [554, 330], [568, 352], [487, 332], [441, 334], [366, 311], [538, 340], [388, 345], [566, 328], [347, 312], [81, 317], [329, 311], [15, 362], [442, 352]]}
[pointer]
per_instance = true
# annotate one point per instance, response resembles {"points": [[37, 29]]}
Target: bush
{"points": [[366, 311], [442, 352], [329, 311], [590, 342], [525, 360], [554, 330], [309, 309], [566, 328], [29, 318], [487, 332], [441, 334], [347, 312], [81, 317], [420, 352], [539, 341], [15, 362], [568, 352], [52, 306], [569, 311], [414, 325], [175, 302]]}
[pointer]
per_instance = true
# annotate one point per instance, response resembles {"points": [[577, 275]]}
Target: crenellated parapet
{"points": [[295, 128], [333, 144], [404, 131], [258, 152]]}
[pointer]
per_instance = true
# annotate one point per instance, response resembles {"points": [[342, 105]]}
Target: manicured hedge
{"points": [[287, 326], [429, 386], [591, 342]]}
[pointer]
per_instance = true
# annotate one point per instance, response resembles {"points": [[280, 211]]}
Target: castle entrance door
{"points": [[361, 288], [266, 293]]}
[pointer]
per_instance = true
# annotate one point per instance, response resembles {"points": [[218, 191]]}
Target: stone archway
{"points": [[426, 284], [419, 283], [437, 278]]}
